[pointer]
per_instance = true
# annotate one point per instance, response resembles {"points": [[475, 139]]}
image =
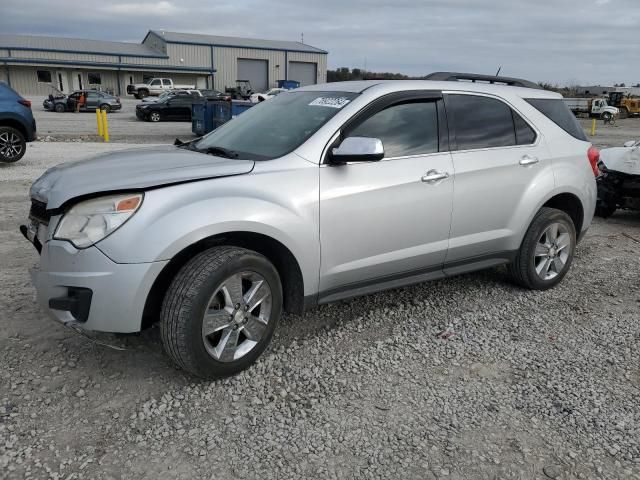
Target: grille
{"points": [[39, 212]]}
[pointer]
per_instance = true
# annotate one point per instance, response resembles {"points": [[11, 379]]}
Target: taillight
{"points": [[26, 103], [594, 156]]}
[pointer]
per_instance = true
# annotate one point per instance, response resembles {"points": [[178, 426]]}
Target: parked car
{"points": [[261, 97], [214, 94], [176, 107], [17, 125], [619, 182], [93, 100], [155, 87], [217, 237]]}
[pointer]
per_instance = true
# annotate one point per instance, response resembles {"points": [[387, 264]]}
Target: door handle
{"points": [[434, 176], [528, 160]]}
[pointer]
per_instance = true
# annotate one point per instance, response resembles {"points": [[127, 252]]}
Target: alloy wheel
{"points": [[236, 317], [155, 117], [553, 251], [10, 145]]}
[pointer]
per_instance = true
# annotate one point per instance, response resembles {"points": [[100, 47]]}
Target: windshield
{"points": [[274, 128]]}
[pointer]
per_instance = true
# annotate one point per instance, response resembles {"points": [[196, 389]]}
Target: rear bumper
{"points": [[84, 288]]}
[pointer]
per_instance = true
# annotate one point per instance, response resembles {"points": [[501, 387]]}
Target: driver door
{"points": [[386, 223]]}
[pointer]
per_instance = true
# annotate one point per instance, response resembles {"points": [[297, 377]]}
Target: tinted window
{"points": [[166, 81], [44, 76], [481, 122], [94, 78], [524, 133], [558, 112], [405, 129]]}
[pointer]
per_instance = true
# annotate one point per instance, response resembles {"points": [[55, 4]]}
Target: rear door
{"points": [[500, 162], [388, 220]]}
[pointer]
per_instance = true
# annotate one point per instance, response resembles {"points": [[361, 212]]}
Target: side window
{"points": [[405, 129], [155, 83], [481, 122], [525, 135], [166, 82]]}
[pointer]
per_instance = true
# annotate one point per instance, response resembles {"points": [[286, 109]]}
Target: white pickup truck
{"points": [[594, 107], [155, 87]]}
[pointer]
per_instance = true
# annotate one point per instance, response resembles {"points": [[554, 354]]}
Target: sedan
{"points": [[93, 100]]}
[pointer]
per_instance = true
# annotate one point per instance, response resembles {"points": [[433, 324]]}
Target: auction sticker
{"points": [[333, 102]]}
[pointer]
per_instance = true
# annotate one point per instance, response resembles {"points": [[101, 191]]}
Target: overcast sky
{"points": [[558, 41]]}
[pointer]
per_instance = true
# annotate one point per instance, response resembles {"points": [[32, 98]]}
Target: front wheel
{"points": [[607, 117], [155, 117], [220, 311], [59, 108], [106, 107], [546, 252]]}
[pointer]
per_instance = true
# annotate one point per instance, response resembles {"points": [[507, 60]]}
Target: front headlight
{"points": [[92, 220]]}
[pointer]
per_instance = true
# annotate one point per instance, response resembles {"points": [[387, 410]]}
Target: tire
{"points": [[534, 254], [106, 107], [154, 117], [13, 145], [58, 107], [142, 94], [206, 284], [607, 117]]}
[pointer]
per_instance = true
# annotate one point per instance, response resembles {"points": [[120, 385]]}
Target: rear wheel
{"points": [[546, 252], [220, 311], [12, 144]]}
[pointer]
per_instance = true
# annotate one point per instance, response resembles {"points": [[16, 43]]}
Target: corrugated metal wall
{"points": [[78, 57], [189, 55]]}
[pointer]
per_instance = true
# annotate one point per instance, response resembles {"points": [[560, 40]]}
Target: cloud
{"points": [[546, 40], [149, 9]]}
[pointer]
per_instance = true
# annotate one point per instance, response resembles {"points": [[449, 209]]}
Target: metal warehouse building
{"points": [[32, 64]]}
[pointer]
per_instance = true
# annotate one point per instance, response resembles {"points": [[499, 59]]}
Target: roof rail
{"points": [[475, 77]]}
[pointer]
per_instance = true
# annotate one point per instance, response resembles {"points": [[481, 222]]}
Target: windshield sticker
{"points": [[333, 102]]}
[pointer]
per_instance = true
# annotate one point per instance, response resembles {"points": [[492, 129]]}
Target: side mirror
{"points": [[358, 149], [630, 143]]}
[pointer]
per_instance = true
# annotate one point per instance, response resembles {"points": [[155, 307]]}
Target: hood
{"points": [[131, 169], [622, 159]]}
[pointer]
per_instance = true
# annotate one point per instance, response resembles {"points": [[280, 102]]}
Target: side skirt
{"points": [[411, 277]]}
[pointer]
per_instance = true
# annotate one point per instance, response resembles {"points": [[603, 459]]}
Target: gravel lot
{"points": [[463, 378]]}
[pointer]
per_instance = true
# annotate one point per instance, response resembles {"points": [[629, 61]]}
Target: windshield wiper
{"points": [[221, 152]]}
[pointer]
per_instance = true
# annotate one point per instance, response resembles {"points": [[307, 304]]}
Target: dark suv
{"points": [[17, 125]]}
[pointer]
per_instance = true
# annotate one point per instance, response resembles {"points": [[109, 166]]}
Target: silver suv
{"points": [[320, 194]]}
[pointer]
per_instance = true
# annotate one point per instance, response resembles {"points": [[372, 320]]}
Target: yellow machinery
{"points": [[629, 106]]}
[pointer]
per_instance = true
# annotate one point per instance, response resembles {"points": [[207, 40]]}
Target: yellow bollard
{"points": [[105, 126], [593, 127], [99, 122]]}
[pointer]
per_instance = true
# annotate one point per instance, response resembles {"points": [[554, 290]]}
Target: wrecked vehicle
{"points": [[619, 181]]}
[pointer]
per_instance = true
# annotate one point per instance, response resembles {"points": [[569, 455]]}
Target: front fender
{"points": [[173, 218]]}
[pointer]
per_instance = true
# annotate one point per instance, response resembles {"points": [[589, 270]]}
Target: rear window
{"points": [[557, 111]]}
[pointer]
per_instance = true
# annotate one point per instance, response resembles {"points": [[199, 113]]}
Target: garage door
{"points": [[256, 71], [304, 72]]}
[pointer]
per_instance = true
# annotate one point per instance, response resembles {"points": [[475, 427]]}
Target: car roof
{"points": [[359, 86]]}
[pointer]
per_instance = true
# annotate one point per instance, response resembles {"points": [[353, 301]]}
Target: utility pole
{"points": [[302, 37]]}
